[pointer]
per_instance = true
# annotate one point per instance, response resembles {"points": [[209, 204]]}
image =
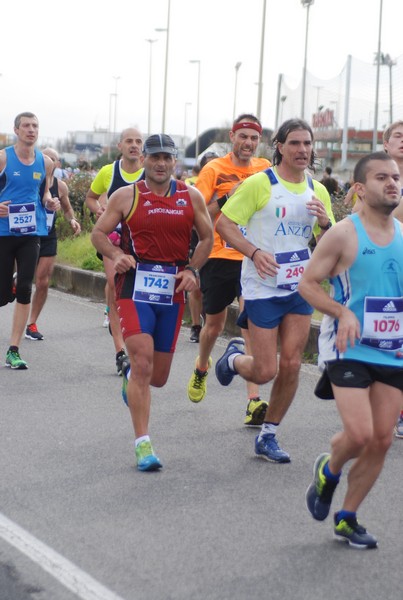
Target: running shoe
{"points": [[255, 412], [197, 386], [146, 459], [320, 493], [125, 381], [350, 531], [195, 333], [267, 447], [106, 317], [399, 427], [122, 360], [14, 360], [32, 333], [223, 373]]}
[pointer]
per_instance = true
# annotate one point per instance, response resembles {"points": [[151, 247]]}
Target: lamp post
{"points": [[166, 29], [282, 99], [187, 104], [378, 68], [237, 66], [197, 62], [306, 4], [151, 42], [260, 82], [388, 61], [116, 78]]}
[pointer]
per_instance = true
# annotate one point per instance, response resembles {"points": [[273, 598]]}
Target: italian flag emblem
{"points": [[280, 212]]}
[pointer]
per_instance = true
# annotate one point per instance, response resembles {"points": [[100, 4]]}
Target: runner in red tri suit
{"points": [[153, 273]]}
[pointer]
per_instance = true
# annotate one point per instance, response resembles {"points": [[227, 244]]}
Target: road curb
{"points": [[91, 284]]}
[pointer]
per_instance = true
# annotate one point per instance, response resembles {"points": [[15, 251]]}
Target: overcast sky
{"points": [[61, 60]]}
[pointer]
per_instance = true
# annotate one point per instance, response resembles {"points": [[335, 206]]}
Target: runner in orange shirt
{"points": [[220, 277]]}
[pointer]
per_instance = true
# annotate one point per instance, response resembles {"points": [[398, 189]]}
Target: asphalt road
{"points": [[77, 520]]}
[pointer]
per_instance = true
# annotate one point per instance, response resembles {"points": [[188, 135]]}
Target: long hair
{"points": [[281, 135]]}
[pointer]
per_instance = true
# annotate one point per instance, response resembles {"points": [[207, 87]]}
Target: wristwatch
{"points": [[327, 226], [194, 271]]}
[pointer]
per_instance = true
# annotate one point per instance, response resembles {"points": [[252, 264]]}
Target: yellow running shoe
{"points": [[197, 386], [256, 411]]}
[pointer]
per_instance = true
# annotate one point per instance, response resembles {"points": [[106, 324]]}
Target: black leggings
{"points": [[24, 251]]}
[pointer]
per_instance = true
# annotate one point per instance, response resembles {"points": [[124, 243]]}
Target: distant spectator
{"points": [[330, 183]]}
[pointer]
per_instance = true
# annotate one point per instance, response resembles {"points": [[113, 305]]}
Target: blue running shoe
{"points": [[267, 447], [146, 459], [350, 531], [223, 373], [125, 380], [320, 493]]}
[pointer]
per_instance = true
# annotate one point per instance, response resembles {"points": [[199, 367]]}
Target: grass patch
{"points": [[79, 252]]}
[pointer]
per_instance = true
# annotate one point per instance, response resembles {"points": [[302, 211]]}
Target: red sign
{"points": [[323, 119]]}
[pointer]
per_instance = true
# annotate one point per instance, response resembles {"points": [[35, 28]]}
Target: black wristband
{"points": [[327, 226], [254, 252], [221, 201]]}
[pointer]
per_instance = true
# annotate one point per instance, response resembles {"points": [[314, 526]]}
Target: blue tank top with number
{"points": [[23, 184], [373, 289]]}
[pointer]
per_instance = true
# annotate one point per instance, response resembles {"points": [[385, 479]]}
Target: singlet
{"points": [[372, 287], [23, 185], [216, 179], [158, 229], [112, 177], [51, 215], [276, 220]]}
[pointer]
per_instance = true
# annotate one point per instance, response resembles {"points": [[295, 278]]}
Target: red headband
{"points": [[247, 125]]}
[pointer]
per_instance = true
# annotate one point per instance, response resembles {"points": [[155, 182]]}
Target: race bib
{"points": [[154, 283], [383, 323], [50, 219], [292, 265], [22, 218]]}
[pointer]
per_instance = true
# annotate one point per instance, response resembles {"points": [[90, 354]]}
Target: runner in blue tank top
{"points": [[361, 341], [24, 197]]}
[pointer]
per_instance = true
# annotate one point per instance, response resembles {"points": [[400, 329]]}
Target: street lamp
{"points": [[166, 29], [306, 4], [151, 42], [378, 68], [387, 61], [187, 104], [197, 62], [282, 99], [116, 78], [237, 66], [260, 82]]}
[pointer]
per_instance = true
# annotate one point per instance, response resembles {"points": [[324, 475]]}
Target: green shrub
{"points": [[78, 252]]}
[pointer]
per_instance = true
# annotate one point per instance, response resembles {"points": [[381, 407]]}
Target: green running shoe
{"points": [[255, 412], [320, 493], [350, 531], [197, 386], [14, 360], [146, 459]]}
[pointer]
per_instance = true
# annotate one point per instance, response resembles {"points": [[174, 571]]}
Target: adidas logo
{"points": [[158, 268], [389, 307], [23, 209], [147, 203], [294, 257]]}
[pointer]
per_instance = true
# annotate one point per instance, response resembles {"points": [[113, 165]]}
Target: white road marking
{"points": [[67, 573]]}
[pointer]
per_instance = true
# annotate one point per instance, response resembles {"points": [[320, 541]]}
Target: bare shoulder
{"points": [[195, 195], [63, 189]]}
